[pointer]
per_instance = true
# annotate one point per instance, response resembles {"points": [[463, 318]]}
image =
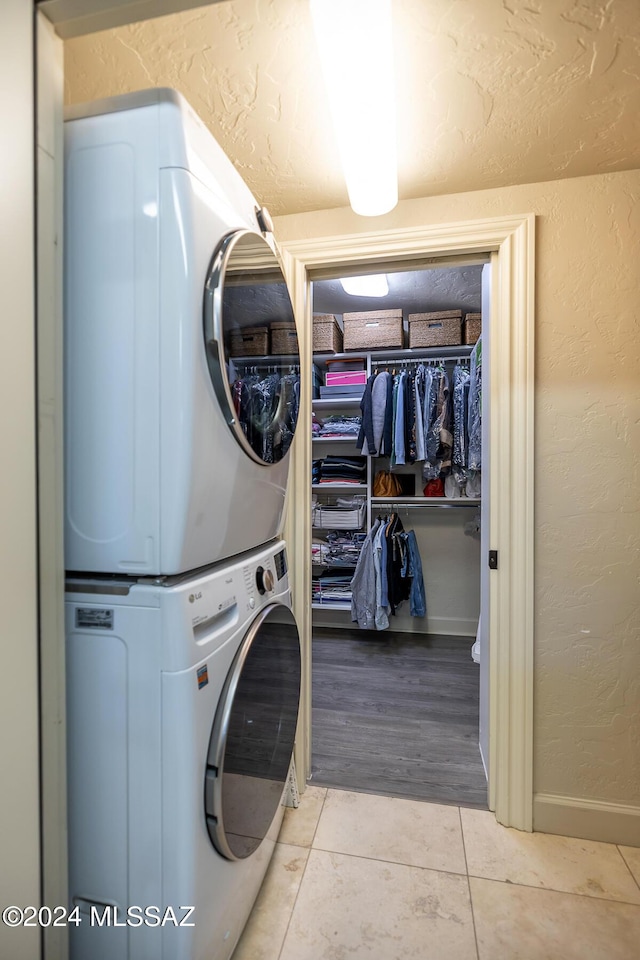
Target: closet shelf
{"points": [[284, 359], [427, 501], [334, 439], [345, 607], [328, 487], [336, 403], [417, 353], [333, 526]]}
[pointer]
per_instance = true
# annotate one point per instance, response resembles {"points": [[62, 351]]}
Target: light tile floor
{"points": [[357, 876]]}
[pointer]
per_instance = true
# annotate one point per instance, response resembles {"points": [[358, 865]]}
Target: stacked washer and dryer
{"points": [[183, 657]]}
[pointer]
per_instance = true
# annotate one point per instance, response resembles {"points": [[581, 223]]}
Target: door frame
{"points": [[511, 371]]}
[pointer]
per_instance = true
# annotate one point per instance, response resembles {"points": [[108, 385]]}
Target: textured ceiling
{"points": [[490, 92], [447, 288]]}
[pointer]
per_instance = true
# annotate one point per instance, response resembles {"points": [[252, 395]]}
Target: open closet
{"points": [[397, 491]]}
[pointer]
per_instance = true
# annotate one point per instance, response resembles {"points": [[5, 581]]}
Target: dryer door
{"points": [[253, 734], [252, 345]]}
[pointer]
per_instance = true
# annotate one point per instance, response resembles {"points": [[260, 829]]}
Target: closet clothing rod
{"points": [[404, 361], [443, 502]]}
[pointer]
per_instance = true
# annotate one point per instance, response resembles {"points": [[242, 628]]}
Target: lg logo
{"points": [[195, 596]]}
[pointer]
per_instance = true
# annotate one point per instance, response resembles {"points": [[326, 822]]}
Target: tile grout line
{"points": [[564, 893], [397, 863], [466, 864], [306, 863], [635, 879]]}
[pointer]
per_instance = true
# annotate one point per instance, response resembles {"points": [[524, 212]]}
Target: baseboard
{"points": [[441, 626], [452, 626], [587, 819]]}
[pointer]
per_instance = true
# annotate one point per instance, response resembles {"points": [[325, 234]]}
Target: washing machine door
{"points": [[252, 345], [253, 734]]}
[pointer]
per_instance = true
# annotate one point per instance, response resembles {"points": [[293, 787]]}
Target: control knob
{"points": [[264, 580]]}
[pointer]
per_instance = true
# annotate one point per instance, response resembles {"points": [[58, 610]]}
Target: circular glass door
{"points": [[252, 345], [253, 734]]}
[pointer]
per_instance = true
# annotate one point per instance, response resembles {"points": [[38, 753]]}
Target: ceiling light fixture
{"points": [[356, 53], [374, 286]]}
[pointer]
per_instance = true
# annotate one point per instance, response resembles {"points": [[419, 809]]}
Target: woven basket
{"points": [[327, 335], [441, 329], [284, 338], [250, 342], [371, 329], [472, 327]]}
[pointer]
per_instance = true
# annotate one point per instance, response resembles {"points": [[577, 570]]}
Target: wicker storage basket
{"points": [[472, 327], [327, 335], [250, 342], [441, 329], [371, 329], [284, 337]]}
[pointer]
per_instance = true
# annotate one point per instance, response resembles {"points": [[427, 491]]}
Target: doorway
{"points": [[510, 241], [395, 698]]}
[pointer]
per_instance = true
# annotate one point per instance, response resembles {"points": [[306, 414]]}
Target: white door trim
{"points": [[512, 476]]}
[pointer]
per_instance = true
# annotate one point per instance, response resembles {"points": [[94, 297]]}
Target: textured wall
{"points": [[587, 520], [492, 93], [489, 92]]}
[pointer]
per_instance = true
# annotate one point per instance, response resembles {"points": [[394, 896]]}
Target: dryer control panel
{"points": [[280, 560]]}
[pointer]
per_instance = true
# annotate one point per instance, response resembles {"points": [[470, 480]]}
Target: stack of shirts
{"points": [[336, 426], [340, 470]]}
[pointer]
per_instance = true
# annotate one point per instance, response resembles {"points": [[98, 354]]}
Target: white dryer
{"points": [[182, 700], [178, 414]]}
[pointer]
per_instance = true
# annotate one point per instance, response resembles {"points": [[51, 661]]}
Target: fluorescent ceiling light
{"points": [[356, 53], [373, 286]]}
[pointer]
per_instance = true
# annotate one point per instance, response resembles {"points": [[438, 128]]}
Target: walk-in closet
{"points": [[397, 491]]}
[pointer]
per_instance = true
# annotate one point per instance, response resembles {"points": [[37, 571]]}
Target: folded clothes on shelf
{"points": [[337, 426], [340, 548], [341, 470]]}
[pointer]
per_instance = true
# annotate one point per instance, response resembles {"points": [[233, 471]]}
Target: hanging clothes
{"points": [[363, 585], [379, 394], [267, 409], [412, 569], [398, 588], [379, 563], [418, 389], [409, 419], [365, 441], [388, 572], [399, 422], [475, 408], [461, 381], [374, 439]]}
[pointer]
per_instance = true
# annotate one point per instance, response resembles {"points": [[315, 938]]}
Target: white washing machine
{"points": [[182, 699], [178, 414]]}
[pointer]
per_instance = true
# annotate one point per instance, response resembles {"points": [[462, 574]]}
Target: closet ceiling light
{"points": [[356, 53], [373, 286]]}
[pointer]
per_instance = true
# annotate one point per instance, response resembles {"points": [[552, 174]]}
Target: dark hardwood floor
{"points": [[396, 714]]}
